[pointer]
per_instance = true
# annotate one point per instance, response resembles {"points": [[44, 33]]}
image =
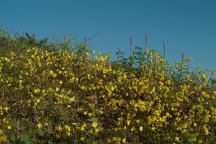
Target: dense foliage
{"points": [[58, 93]]}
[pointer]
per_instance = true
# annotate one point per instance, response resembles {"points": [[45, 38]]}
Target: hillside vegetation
{"points": [[64, 93]]}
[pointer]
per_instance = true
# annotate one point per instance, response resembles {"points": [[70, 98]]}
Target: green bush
{"points": [[52, 93]]}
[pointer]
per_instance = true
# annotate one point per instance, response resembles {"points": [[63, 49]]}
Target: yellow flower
{"points": [[94, 124], [153, 128], [59, 128], [82, 138], [195, 124], [37, 90], [38, 100], [57, 89], [177, 139], [52, 74], [133, 129], [6, 108], [128, 122], [137, 121], [124, 140], [85, 113], [9, 127], [141, 128], [39, 125], [67, 127], [82, 128], [72, 99], [206, 130], [60, 82]]}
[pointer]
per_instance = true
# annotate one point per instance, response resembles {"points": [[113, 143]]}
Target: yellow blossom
{"points": [[141, 128], [82, 128], [39, 125], [177, 139], [67, 127], [37, 90], [52, 74], [124, 140], [9, 127], [94, 124], [82, 138]]}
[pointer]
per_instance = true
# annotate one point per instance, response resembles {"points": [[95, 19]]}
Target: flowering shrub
{"points": [[60, 96]]}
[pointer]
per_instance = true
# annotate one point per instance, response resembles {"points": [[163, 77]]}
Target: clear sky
{"points": [[189, 26]]}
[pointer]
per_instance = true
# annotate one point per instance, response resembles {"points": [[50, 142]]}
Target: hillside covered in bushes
{"points": [[65, 93]]}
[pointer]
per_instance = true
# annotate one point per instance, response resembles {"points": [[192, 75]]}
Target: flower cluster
{"points": [[55, 96]]}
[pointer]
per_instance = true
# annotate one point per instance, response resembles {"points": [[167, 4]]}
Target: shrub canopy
{"points": [[61, 93]]}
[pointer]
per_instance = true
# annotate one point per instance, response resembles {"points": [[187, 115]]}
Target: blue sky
{"points": [[189, 26]]}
